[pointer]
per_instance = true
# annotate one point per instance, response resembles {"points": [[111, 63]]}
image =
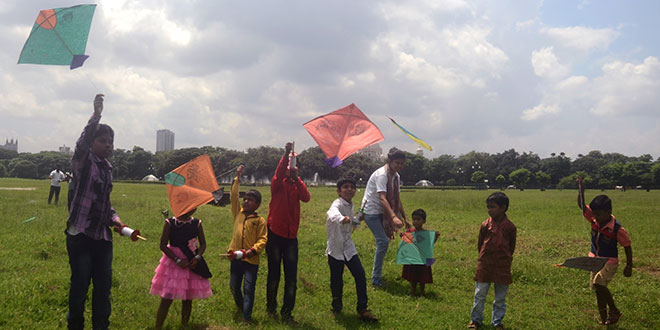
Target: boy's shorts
{"points": [[604, 276]]}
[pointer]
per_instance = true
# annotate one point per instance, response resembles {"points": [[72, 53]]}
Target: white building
{"points": [[164, 140], [373, 151], [66, 150]]}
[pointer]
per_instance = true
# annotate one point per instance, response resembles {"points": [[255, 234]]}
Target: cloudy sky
{"points": [[541, 76]]}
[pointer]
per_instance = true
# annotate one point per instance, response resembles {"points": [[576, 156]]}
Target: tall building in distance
{"points": [[164, 140], [10, 145]]}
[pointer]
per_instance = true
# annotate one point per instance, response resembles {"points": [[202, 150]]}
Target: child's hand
{"points": [[346, 219], [98, 104], [397, 222], [193, 263], [627, 272], [183, 263], [231, 255], [239, 170]]}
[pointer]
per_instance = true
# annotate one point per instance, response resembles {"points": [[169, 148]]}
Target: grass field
{"points": [[34, 264]]}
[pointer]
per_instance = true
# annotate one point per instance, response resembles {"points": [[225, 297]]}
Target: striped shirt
{"points": [[91, 212]]}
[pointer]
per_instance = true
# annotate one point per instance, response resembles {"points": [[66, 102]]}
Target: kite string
{"points": [[91, 82]]}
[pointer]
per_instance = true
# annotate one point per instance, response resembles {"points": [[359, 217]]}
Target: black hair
{"points": [[499, 198], [103, 129], [254, 194], [342, 181], [601, 203], [420, 213], [395, 154]]}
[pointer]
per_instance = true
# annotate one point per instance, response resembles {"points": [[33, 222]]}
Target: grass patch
{"points": [[35, 271]]}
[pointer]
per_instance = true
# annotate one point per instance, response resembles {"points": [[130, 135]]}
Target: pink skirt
{"points": [[173, 282]]}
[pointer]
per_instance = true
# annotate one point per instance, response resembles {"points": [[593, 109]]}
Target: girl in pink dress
{"points": [[177, 274]]}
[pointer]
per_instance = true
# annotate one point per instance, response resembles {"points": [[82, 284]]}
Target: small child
{"points": [[341, 251], [249, 239], [497, 241], [418, 273], [606, 233], [174, 277]]}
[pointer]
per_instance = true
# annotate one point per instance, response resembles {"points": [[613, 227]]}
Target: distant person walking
{"points": [[55, 177], [383, 210]]}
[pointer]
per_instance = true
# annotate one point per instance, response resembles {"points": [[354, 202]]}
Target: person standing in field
{"points": [[418, 274], [88, 234], [248, 240], [287, 191], [383, 210], [56, 176], [606, 234], [496, 244], [341, 251]]}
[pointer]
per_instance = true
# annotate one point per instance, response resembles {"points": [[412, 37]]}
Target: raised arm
{"points": [[334, 215], [580, 197], [87, 136], [233, 193]]}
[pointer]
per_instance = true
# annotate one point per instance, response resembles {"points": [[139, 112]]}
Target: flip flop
{"points": [[613, 318]]}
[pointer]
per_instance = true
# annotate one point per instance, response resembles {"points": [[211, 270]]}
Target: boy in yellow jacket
{"points": [[249, 239]]}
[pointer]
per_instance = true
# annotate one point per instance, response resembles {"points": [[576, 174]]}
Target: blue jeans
{"points": [[499, 305], [89, 260], [245, 300], [281, 250], [337, 282], [375, 223]]}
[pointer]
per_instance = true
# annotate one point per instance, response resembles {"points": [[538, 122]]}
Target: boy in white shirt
{"points": [[341, 251]]}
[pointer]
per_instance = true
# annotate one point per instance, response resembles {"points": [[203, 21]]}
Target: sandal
{"points": [[613, 318], [473, 325]]}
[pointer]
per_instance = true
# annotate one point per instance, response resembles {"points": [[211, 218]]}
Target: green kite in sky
{"points": [[59, 37]]}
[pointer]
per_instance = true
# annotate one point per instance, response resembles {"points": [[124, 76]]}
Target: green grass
{"points": [[35, 274]]}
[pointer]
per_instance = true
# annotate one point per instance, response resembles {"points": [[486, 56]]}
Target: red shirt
{"points": [[497, 241], [284, 207]]}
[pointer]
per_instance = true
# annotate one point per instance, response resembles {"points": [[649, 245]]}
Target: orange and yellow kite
{"points": [[191, 185]]}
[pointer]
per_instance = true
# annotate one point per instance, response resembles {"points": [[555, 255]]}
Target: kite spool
{"points": [[132, 233], [239, 255], [292, 157]]}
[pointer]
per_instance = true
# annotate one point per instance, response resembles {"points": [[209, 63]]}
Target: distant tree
{"points": [[166, 161], [612, 172], [646, 180], [605, 184], [478, 176], [451, 182], [359, 167], [314, 162], [520, 177], [25, 169], [8, 154], [120, 164], [140, 163], [3, 171], [262, 161], [542, 179], [501, 181], [413, 170], [439, 169], [655, 173], [557, 167], [570, 181], [632, 172]]}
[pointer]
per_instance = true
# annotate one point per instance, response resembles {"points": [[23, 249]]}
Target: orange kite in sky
{"points": [[191, 185], [343, 132]]}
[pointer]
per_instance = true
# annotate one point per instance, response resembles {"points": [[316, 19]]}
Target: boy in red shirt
{"points": [[287, 190], [497, 241], [606, 233]]}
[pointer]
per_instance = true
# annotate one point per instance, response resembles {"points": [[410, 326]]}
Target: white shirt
{"points": [[377, 183], [55, 178], [340, 244]]}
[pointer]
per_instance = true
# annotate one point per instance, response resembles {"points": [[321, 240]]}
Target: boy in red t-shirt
{"points": [[606, 233]]}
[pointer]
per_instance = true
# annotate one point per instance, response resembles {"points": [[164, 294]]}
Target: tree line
{"points": [[499, 170]]}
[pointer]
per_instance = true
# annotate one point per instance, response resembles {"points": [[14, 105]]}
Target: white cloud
{"points": [[628, 88], [546, 64], [582, 38], [541, 110]]}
